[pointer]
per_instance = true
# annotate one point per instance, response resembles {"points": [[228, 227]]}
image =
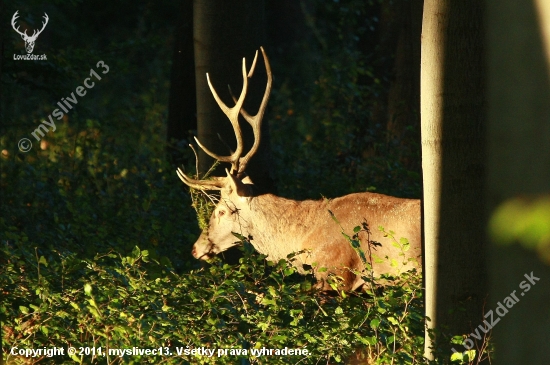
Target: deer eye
{"points": [[221, 212]]}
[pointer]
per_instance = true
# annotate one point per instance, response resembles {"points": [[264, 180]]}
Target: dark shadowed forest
{"points": [[99, 101], [96, 227]]}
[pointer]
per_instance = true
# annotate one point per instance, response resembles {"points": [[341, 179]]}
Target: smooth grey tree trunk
{"points": [[453, 137]]}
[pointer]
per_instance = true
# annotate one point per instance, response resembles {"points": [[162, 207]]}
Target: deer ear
{"points": [[243, 190], [247, 180]]}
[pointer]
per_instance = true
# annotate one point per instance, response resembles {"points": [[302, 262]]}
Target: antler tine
{"points": [[238, 164], [13, 19], [256, 120], [199, 184], [233, 115], [215, 184], [251, 72], [44, 23]]}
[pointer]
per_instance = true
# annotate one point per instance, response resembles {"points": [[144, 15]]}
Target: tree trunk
{"points": [[452, 111], [404, 92], [182, 103], [519, 167], [225, 32]]}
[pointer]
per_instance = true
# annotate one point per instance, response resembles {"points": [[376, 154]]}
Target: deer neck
{"points": [[278, 225]]}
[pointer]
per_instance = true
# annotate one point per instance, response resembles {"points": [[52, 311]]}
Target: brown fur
{"points": [[280, 226]]}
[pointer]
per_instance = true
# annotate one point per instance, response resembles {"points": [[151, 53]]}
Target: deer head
{"points": [[236, 189], [230, 215], [29, 40]]}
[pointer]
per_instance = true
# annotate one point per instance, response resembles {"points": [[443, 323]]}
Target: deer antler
{"points": [[24, 34], [216, 184], [233, 115], [44, 23], [256, 120], [238, 163], [13, 19], [29, 40]]}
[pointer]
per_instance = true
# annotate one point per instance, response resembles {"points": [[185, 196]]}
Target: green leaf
{"points": [[457, 340], [43, 261], [371, 340], [136, 252], [93, 303], [457, 356], [75, 358], [94, 312], [471, 355], [333, 216], [35, 307], [405, 243], [88, 289], [310, 338], [266, 301]]}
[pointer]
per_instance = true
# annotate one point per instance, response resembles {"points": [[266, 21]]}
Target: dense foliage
{"points": [[96, 229], [120, 302]]}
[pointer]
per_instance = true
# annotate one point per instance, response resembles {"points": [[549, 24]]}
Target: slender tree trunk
{"points": [[397, 64], [404, 92], [182, 104], [452, 111], [519, 168], [225, 32]]}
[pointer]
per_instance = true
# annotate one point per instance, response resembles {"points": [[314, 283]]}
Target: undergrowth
{"points": [[120, 302], [96, 245], [96, 255]]}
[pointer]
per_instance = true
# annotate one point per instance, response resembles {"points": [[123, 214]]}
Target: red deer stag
{"points": [[279, 226]]}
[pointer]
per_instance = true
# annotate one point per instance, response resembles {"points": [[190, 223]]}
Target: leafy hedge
{"points": [[132, 301]]}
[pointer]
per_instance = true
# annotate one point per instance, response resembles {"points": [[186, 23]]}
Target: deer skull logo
{"points": [[29, 40]]}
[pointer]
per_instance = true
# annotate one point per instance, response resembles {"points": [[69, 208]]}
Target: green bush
{"points": [[120, 302]]}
